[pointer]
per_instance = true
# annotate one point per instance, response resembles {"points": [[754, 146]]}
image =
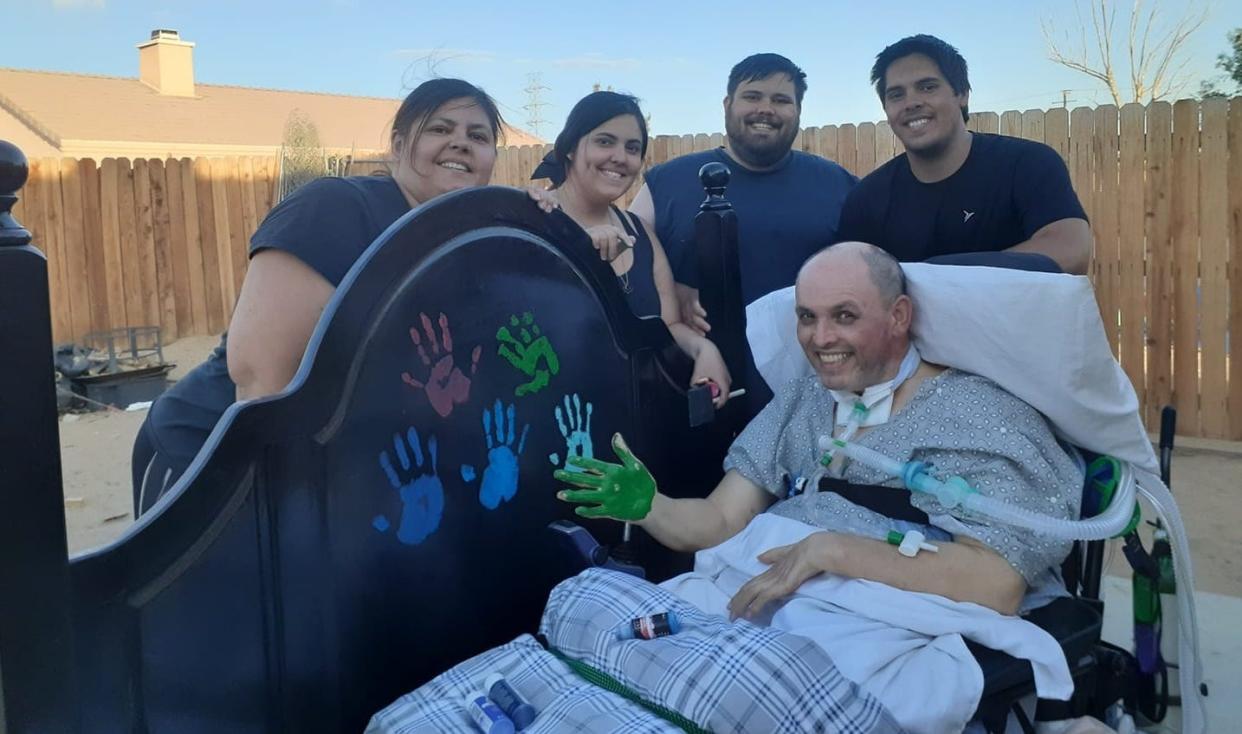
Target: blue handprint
{"points": [[422, 495], [500, 477], [575, 429]]}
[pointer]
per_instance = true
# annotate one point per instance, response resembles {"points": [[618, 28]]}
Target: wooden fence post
{"points": [[1159, 260], [1234, 278], [1133, 284], [1213, 283], [1185, 230]]}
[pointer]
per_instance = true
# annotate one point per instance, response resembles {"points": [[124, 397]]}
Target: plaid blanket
{"points": [[725, 677], [565, 702]]}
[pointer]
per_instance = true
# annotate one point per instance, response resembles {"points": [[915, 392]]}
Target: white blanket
{"points": [[905, 648]]}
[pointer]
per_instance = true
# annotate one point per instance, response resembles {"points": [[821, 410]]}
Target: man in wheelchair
{"points": [[872, 388], [853, 324]]}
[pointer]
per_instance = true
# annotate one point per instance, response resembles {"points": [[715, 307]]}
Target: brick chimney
{"points": [[166, 63]]}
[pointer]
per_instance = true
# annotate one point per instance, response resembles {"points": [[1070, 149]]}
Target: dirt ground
{"points": [[95, 451]]}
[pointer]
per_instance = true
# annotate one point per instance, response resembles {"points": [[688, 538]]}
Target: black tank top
{"points": [[638, 283]]}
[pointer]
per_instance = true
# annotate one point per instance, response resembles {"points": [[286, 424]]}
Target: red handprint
{"points": [[445, 384]]}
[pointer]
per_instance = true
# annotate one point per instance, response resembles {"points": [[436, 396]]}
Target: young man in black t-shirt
{"points": [[953, 192]]}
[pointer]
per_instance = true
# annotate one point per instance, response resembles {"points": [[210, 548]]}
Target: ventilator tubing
{"points": [[1190, 673], [1115, 519], [955, 492]]}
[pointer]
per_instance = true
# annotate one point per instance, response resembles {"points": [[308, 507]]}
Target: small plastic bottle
{"points": [[507, 698], [650, 627], [487, 715]]}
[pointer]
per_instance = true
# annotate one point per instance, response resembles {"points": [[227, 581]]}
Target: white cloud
{"points": [[75, 4], [446, 54]]}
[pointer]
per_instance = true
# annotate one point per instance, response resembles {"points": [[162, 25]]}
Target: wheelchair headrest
{"points": [[1030, 261], [1036, 334]]}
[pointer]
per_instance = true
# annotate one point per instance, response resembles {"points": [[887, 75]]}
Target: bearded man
{"points": [[788, 203]]}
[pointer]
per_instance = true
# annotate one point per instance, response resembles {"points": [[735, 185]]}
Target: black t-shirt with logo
{"points": [[1005, 191]]}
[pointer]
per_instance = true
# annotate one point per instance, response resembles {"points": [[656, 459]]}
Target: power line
{"points": [[1034, 95], [534, 103]]}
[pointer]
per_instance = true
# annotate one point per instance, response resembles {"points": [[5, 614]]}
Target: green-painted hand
{"points": [[621, 491]]}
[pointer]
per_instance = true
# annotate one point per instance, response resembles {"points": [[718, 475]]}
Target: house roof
{"points": [[83, 107]]}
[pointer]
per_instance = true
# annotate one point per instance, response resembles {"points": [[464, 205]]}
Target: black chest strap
{"points": [[890, 502]]}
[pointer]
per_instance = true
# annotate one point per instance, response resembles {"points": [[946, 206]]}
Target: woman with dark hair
{"points": [[443, 138], [595, 160]]}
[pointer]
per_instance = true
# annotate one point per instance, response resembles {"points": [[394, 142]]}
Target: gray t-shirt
{"points": [[965, 425]]}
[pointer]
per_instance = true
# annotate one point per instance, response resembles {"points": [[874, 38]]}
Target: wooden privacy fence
{"points": [[152, 242], [164, 242], [1162, 186]]}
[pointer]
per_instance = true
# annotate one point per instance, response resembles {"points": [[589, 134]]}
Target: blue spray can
{"points": [[507, 698], [487, 715], [650, 627]]}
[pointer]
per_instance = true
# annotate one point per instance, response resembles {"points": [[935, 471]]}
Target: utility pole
{"points": [[534, 103]]}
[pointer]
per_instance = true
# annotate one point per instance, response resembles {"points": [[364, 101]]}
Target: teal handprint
{"points": [[575, 428], [529, 351]]}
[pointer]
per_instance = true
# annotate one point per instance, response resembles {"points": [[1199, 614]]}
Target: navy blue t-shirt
{"points": [[1005, 191], [783, 216], [327, 224]]}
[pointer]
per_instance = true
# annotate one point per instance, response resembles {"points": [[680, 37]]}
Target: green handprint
{"points": [[526, 351], [621, 491]]}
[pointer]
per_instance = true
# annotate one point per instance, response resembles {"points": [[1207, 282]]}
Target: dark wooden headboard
{"points": [[339, 544]]}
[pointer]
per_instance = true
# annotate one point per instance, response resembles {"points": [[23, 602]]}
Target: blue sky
{"points": [[674, 56]]}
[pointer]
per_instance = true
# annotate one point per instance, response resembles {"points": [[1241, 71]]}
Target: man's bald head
{"points": [[853, 315], [885, 272]]}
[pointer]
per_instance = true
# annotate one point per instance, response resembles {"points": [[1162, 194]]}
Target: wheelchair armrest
{"points": [[1073, 622], [586, 549]]}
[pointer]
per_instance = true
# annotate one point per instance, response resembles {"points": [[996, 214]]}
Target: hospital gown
{"points": [[962, 423]]}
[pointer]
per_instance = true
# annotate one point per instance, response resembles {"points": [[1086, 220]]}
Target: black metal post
{"points": [[720, 274], [37, 684], [1168, 429]]}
